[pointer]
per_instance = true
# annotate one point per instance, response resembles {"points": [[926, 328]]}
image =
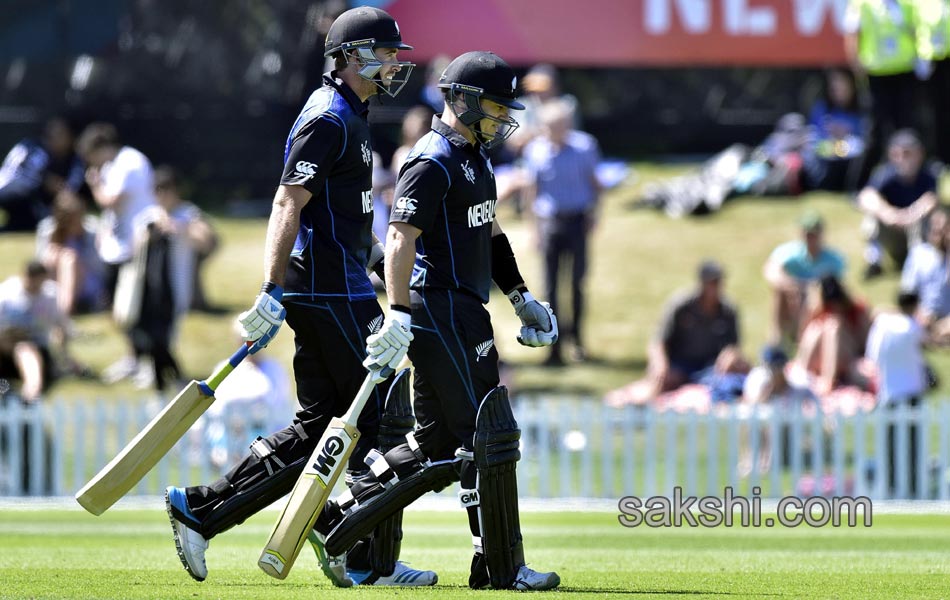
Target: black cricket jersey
{"points": [[328, 152], [446, 188]]}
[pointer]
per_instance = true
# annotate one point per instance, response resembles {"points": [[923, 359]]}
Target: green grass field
{"points": [[57, 553]]}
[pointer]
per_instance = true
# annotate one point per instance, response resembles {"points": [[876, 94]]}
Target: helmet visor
{"points": [[371, 69]]}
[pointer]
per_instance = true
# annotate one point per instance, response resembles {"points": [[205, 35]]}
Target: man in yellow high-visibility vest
{"points": [[932, 26], [880, 44]]}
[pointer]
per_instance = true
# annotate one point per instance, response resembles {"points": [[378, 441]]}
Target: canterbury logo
{"points": [[306, 168], [482, 350], [375, 325], [331, 449]]}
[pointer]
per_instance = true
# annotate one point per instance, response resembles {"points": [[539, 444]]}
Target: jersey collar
{"points": [[347, 92], [455, 138]]}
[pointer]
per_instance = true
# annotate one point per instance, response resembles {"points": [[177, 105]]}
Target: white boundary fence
{"points": [[571, 447]]}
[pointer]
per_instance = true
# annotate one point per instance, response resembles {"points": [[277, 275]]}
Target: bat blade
{"points": [[308, 497], [142, 453], [152, 443]]}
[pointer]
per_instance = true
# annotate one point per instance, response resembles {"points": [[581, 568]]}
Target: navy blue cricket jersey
{"points": [[328, 152], [446, 188]]}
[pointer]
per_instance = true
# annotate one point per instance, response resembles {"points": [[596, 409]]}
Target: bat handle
{"points": [[224, 370]]}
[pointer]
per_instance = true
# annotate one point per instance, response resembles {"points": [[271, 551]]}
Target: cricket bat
{"points": [[152, 443], [314, 486]]}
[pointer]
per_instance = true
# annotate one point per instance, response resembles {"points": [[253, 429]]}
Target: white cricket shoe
{"points": [[334, 567], [190, 544], [530, 580], [402, 576]]}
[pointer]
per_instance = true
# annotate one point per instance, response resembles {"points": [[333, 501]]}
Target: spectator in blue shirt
{"points": [[790, 268], [561, 164], [896, 201], [927, 272], [833, 159], [34, 172]]}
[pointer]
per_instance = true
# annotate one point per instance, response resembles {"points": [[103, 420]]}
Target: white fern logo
{"points": [[482, 350], [375, 325]]}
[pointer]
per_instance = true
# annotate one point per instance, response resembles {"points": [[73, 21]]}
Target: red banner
{"points": [[628, 32]]}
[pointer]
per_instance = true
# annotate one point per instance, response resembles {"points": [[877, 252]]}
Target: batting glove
{"points": [[261, 322], [538, 323], [388, 347]]}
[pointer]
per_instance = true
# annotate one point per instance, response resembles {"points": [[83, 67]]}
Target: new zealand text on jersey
{"points": [[481, 214]]}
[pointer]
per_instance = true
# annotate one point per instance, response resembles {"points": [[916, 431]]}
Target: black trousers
{"points": [[938, 88], [893, 461], [330, 339], [565, 237], [456, 365]]}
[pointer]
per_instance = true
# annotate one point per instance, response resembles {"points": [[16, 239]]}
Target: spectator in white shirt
{"points": [[927, 271], [121, 181], [895, 347]]}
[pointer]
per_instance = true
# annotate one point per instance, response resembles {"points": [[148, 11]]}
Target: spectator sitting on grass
{"points": [[767, 383], [898, 198], [789, 270], [31, 328], [926, 270], [698, 337], [834, 156], [33, 172], [832, 341], [66, 245]]}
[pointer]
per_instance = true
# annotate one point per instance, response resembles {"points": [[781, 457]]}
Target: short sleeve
{"points": [[311, 154], [120, 177], [667, 325], [421, 186]]}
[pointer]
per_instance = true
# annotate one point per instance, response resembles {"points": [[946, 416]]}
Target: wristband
{"points": [[504, 267], [273, 290], [519, 297], [377, 262]]}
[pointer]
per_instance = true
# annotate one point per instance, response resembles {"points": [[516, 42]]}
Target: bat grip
{"points": [[224, 370]]}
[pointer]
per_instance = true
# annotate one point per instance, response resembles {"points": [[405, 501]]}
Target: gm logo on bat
{"points": [[326, 460]]}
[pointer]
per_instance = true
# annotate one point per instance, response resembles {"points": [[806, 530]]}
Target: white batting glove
{"points": [[388, 347], [260, 323], [538, 323]]}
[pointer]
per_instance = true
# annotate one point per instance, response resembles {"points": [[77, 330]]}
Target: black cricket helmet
{"points": [[477, 75], [362, 30]]}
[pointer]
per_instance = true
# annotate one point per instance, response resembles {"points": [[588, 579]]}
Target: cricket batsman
{"points": [[318, 248], [444, 249]]}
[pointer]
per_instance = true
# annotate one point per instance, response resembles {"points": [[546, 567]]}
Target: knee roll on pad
{"points": [[415, 479], [270, 473], [395, 424], [497, 439]]}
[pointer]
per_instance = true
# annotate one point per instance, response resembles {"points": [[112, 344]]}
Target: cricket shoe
{"points": [[334, 567], [191, 545], [530, 580], [402, 576]]}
